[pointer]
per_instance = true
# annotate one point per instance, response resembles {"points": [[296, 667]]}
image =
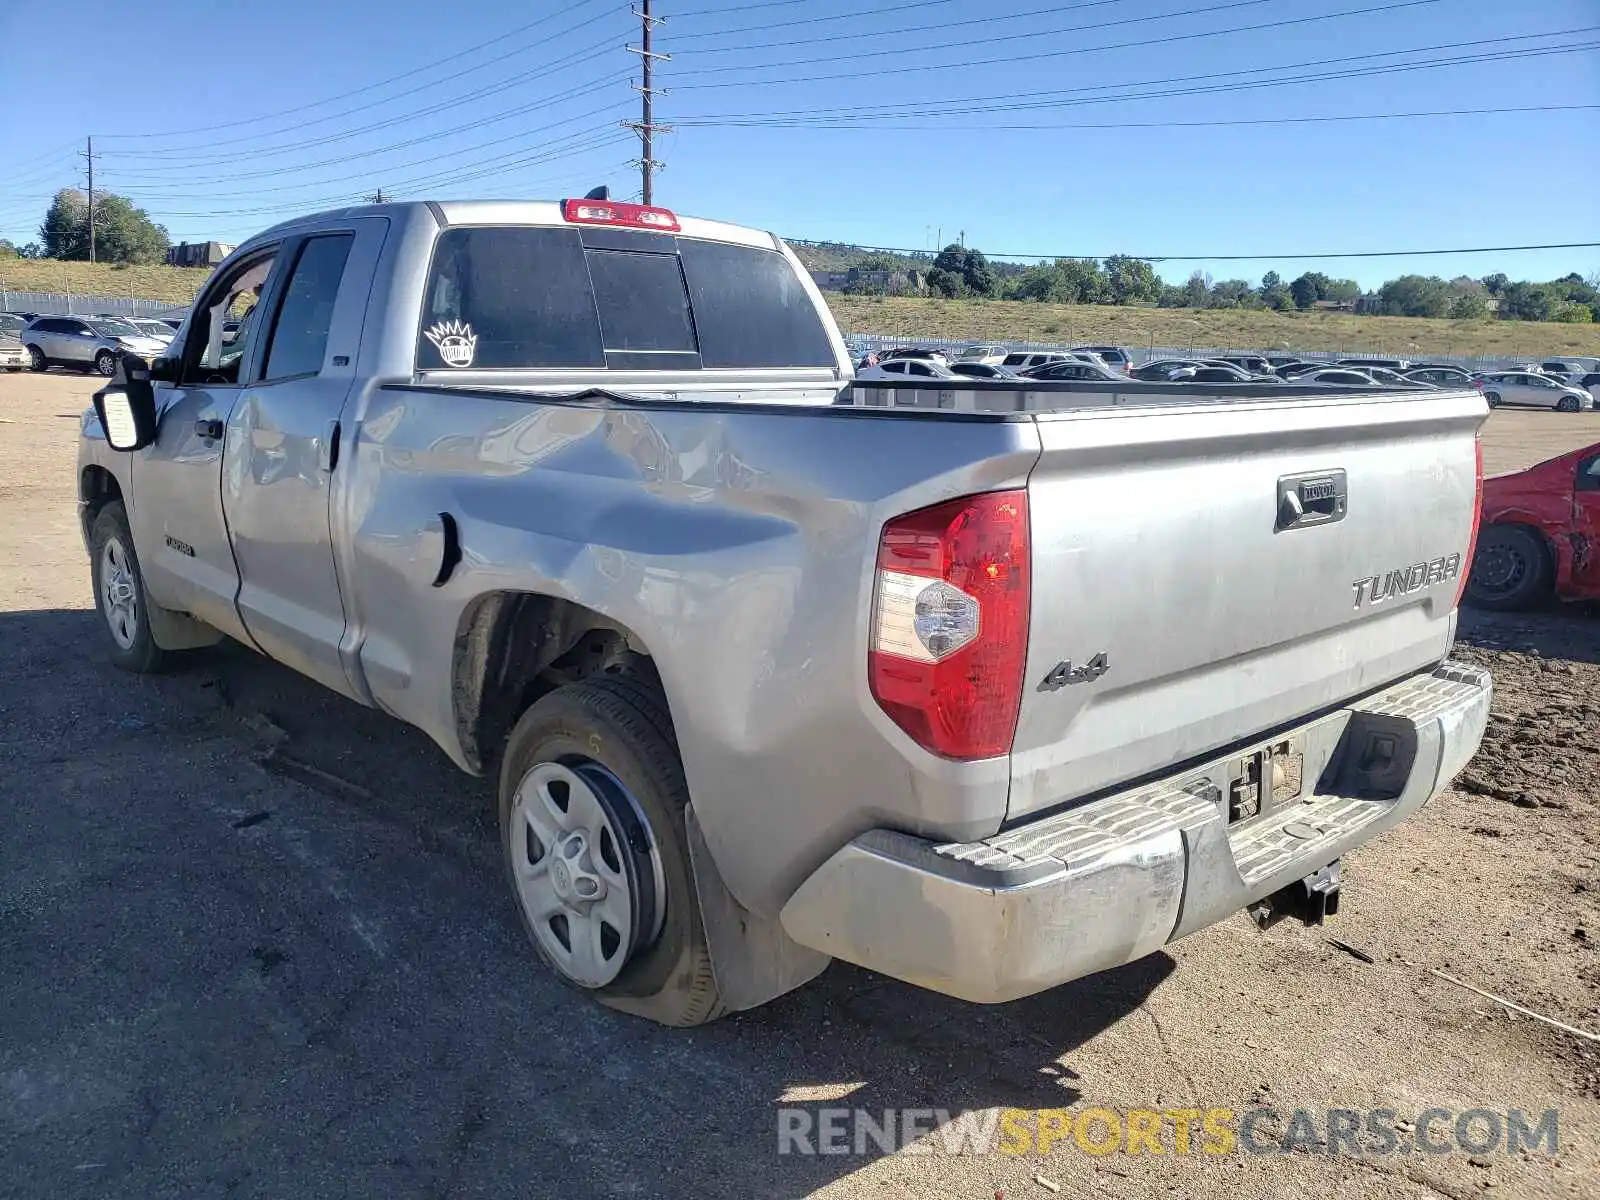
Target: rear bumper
{"points": [[1116, 878]]}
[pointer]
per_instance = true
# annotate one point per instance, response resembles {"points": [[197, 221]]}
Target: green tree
{"points": [[1308, 289], [1525, 302], [1415, 296], [1274, 294], [1572, 314], [978, 275], [122, 232], [1131, 280], [1496, 283], [1469, 306], [1197, 291], [1339, 289], [1233, 293], [8, 249]]}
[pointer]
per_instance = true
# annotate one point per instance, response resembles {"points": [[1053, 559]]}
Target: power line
{"points": [[922, 107], [852, 16], [1154, 258], [1318, 120], [547, 102], [438, 62], [1140, 43], [993, 20], [833, 119], [586, 53]]}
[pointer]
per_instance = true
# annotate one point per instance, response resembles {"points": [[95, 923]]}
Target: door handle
{"points": [[328, 450], [209, 428]]}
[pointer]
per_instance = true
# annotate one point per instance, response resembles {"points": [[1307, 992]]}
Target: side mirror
{"points": [[165, 370], [127, 405]]}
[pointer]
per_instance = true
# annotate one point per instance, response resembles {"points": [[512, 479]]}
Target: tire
{"points": [[611, 733], [119, 594], [105, 363], [1511, 568], [36, 359], [1568, 404], [1492, 398]]}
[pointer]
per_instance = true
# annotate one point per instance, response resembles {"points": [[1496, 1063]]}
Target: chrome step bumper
{"points": [[1116, 878]]}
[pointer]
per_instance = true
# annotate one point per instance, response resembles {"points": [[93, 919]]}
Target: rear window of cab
{"points": [[517, 297]]}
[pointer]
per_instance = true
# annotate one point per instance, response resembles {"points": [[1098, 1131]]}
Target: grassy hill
{"points": [[1242, 329], [1001, 320], [177, 284]]}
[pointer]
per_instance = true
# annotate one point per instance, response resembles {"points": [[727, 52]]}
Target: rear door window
{"points": [[300, 334]]}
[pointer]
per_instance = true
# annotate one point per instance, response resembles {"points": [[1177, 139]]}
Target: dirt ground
{"points": [[229, 973]]}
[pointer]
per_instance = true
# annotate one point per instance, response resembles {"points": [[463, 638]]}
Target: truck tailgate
{"points": [[1203, 575]]}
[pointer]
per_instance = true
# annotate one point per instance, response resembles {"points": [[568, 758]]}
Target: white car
{"points": [[1341, 376], [1026, 360], [989, 356], [1542, 391], [906, 368]]}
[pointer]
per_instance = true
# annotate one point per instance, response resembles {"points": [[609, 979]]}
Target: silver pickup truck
{"points": [[986, 687]]}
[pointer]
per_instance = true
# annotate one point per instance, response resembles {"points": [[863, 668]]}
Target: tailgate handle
{"points": [[1311, 498]]}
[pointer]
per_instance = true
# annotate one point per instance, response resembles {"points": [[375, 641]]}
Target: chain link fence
{"points": [[73, 304]]}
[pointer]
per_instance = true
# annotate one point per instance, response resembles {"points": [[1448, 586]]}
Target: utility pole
{"points": [[90, 157], [646, 127], [378, 197]]}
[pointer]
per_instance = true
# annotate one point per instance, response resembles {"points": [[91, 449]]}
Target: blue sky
{"points": [[884, 128]]}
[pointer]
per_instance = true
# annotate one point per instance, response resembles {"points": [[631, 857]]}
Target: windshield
{"points": [[113, 327], [10, 323], [542, 297]]}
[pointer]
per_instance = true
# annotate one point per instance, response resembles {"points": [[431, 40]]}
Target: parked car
{"points": [[1076, 369], [981, 370], [1162, 370], [1255, 364], [12, 355], [992, 356], [1298, 368], [1226, 373], [1393, 378], [1538, 535], [159, 330], [908, 368], [1114, 357], [762, 682], [13, 323], [1442, 376], [1591, 384], [1342, 376], [1542, 391], [917, 352], [1568, 371], [1392, 364], [1228, 365], [1023, 360], [89, 344]]}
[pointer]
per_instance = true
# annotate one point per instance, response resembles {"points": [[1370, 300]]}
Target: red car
{"points": [[1540, 534]]}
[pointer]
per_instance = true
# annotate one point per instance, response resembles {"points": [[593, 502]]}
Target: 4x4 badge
{"points": [[1064, 673]]}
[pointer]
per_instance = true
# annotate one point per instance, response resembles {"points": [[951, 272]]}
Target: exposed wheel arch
{"points": [[513, 647], [97, 487], [1514, 567]]}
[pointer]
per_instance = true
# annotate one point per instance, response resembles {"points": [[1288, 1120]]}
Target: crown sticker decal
{"points": [[456, 342]]}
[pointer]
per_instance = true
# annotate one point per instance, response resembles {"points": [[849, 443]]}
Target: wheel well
{"points": [[1552, 557], [97, 488], [513, 647]]}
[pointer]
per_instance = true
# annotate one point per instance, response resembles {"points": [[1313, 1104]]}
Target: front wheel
{"points": [[1568, 404], [36, 359], [119, 594], [105, 363], [1511, 568], [1492, 398], [592, 800]]}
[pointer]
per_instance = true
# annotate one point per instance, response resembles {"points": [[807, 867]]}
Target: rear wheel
{"points": [[592, 800], [1568, 404], [1493, 399], [37, 360], [1511, 568]]}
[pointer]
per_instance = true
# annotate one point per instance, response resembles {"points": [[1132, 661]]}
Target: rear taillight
{"points": [[615, 212], [1477, 518], [950, 623]]}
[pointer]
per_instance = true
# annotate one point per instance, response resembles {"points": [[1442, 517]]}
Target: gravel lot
{"points": [[224, 975]]}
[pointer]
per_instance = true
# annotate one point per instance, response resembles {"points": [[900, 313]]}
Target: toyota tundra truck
{"points": [[982, 685]]}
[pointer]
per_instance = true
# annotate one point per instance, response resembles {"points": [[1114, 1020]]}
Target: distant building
{"points": [[197, 254], [909, 282], [1334, 305]]}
